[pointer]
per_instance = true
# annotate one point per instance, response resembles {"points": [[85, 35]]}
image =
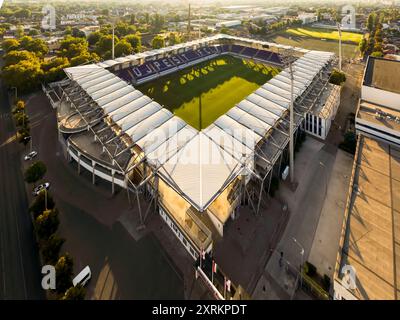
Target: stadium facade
{"points": [[196, 180]]}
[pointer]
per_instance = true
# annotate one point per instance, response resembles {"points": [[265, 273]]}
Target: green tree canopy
{"points": [[38, 205], [94, 37], [35, 172], [158, 42], [71, 47], [47, 223], [377, 54], [135, 40], [25, 75], [84, 57], [16, 56], [337, 77], [37, 46], [64, 272], [173, 39], [23, 13], [363, 45], [51, 249], [104, 45], [123, 48], [54, 69], [123, 29], [75, 293], [10, 44]]}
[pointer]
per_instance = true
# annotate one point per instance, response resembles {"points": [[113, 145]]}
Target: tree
{"points": [[19, 107], [47, 223], [94, 37], [363, 46], [16, 56], [64, 271], [23, 133], [21, 119], [35, 172], [71, 47], [104, 45], [337, 77], [2, 32], [51, 249], [173, 39], [37, 46], [123, 29], [78, 33], [39, 204], [123, 48], [53, 69], [10, 44], [377, 54], [25, 75], [75, 293], [84, 57], [23, 13], [135, 41], [158, 42], [68, 30], [371, 22], [33, 32]]}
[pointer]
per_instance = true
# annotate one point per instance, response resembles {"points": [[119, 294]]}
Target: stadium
{"points": [[198, 129]]}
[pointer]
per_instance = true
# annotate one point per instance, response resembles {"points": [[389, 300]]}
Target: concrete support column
{"points": [[112, 182], [93, 174], [79, 163]]}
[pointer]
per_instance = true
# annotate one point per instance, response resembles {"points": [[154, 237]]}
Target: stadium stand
{"points": [[152, 69]]}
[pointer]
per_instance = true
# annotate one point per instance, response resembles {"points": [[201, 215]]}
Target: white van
{"points": [[83, 277]]}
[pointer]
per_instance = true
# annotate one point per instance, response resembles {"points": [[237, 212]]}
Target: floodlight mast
{"points": [[291, 131], [288, 58], [112, 50], [340, 46]]}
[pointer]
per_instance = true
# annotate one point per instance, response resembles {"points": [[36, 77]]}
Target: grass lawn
{"points": [[349, 51], [213, 87], [310, 38], [325, 34]]}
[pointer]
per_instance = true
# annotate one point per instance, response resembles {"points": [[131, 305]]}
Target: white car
{"points": [[41, 187], [30, 155]]}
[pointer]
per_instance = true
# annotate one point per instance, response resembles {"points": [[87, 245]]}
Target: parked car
{"points": [[83, 277], [41, 187], [30, 155]]}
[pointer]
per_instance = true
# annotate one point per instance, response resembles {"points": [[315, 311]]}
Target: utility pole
{"points": [[340, 46], [112, 49], [189, 27], [291, 130], [288, 58]]}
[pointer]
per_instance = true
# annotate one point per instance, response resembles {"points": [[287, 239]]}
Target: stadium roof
{"points": [[197, 164], [205, 40]]}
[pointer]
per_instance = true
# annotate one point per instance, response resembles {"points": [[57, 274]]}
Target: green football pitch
{"points": [[202, 93]]}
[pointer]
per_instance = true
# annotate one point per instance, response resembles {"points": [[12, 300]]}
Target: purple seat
{"points": [[162, 64], [263, 55], [190, 55], [143, 71], [275, 58], [236, 49], [249, 52]]}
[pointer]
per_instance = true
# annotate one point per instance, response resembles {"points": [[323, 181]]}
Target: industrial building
{"points": [[369, 253]]}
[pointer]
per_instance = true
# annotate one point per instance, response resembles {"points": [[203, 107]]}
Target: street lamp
{"points": [[302, 260]]}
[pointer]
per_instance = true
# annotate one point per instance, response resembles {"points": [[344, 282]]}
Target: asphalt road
{"points": [[20, 276]]}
